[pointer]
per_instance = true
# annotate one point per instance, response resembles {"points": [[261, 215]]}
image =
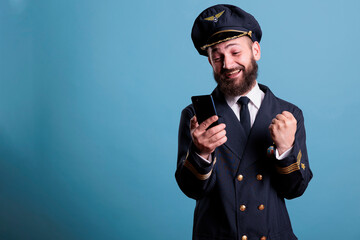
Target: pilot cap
{"points": [[222, 23]]}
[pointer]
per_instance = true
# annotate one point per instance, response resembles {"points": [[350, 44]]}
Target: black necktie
{"points": [[244, 114]]}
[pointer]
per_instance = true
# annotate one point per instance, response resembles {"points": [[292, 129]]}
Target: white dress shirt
{"points": [[256, 96]]}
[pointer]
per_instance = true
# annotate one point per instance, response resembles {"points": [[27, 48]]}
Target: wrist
{"points": [[281, 150], [205, 155]]}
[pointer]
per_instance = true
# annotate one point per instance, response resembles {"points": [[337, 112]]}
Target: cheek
{"points": [[241, 59], [217, 67], [244, 61]]}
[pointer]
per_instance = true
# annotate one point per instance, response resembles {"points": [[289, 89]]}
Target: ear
{"points": [[256, 51], [209, 60]]}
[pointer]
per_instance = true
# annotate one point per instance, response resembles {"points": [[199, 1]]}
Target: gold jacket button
{"points": [[263, 238], [259, 177], [261, 207], [240, 178], [244, 237], [242, 208]]}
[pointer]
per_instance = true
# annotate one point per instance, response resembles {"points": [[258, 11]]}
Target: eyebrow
{"points": [[227, 46]]}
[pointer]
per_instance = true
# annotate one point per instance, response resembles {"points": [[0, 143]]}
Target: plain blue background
{"points": [[90, 100]]}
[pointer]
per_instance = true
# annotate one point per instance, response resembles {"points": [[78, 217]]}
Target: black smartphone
{"points": [[204, 108]]}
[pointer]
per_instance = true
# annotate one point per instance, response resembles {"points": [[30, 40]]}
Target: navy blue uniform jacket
{"points": [[250, 206]]}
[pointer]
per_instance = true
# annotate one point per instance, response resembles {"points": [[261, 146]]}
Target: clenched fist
{"points": [[207, 140], [282, 130]]}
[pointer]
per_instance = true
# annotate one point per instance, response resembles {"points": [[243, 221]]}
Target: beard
{"points": [[237, 86]]}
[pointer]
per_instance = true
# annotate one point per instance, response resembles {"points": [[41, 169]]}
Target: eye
{"points": [[216, 58], [236, 53]]}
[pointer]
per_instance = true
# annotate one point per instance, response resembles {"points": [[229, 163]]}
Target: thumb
{"points": [[193, 123]]}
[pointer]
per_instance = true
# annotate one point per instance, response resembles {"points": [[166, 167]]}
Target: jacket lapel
{"points": [[236, 139], [259, 138]]}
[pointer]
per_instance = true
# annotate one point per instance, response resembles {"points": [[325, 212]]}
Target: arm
{"points": [[195, 176], [293, 172]]}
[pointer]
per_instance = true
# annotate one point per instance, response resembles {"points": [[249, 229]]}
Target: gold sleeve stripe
{"points": [[293, 167], [192, 169], [289, 169]]}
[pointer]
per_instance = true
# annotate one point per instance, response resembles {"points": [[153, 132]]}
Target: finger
{"points": [[272, 127], [214, 138], [273, 130], [205, 124], [288, 114], [281, 117], [218, 143], [214, 130], [278, 123], [275, 121], [193, 123], [194, 118]]}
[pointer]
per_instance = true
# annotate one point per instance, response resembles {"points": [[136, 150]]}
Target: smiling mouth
{"points": [[233, 73]]}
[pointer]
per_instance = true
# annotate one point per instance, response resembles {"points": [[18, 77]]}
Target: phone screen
{"points": [[204, 108]]}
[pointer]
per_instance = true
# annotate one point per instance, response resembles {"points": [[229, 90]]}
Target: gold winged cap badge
{"points": [[215, 18]]}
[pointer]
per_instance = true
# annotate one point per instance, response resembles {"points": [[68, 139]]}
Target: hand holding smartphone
{"points": [[204, 108]]}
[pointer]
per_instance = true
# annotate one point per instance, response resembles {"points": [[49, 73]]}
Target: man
{"points": [[241, 170]]}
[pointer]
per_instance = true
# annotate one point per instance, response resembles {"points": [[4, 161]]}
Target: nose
{"points": [[228, 62]]}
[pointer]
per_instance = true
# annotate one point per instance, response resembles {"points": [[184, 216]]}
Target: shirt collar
{"points": [[255, 96]]}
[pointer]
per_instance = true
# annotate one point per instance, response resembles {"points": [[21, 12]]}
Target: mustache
{"points": [[225, 71]]}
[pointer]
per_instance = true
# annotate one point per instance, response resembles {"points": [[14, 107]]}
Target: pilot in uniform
{"points": [[238, 172]]}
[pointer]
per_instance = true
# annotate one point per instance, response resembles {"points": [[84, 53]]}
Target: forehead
{"points": [[241, 42]]}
